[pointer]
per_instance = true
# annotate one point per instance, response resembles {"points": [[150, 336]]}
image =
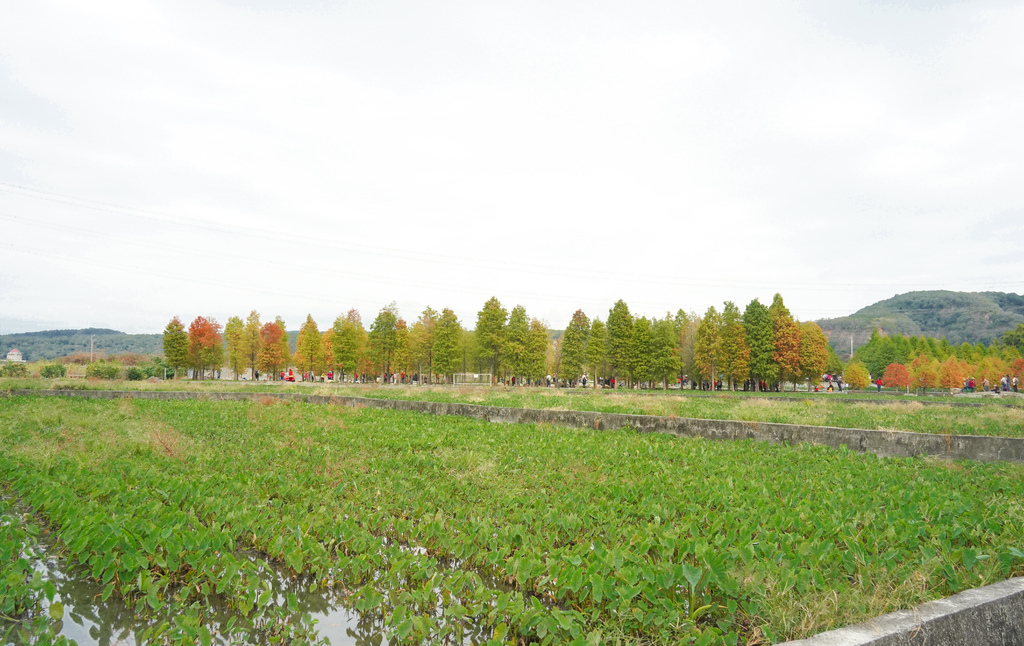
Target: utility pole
{"points": [[92, 339]]}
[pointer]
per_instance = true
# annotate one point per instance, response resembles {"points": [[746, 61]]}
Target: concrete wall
{"points": [[882, 443], [988, 616]]}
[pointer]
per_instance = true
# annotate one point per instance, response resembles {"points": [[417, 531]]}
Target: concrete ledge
{"points": [[894, 444], [989, 616]]}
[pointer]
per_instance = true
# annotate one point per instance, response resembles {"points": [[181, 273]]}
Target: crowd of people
{"points": [[1005, 384]]}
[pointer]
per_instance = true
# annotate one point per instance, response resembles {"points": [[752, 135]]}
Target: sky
{"points": [[302, 158]]}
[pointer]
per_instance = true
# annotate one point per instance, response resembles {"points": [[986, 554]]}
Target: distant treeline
{"points": [[51, 344], [971, 317], [762, 346]]}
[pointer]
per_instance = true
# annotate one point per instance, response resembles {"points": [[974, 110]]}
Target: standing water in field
{"points": [[75, 609]]}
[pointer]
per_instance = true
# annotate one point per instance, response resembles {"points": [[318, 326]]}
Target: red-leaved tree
{"points": [[205, 345], [896, 376]]}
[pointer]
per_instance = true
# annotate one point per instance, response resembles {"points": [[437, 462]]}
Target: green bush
{"points": [[135, 374], [102, 370], [13, 370], [53, 371]]}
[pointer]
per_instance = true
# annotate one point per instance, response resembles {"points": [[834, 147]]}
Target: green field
{"points": [[512, 531]]}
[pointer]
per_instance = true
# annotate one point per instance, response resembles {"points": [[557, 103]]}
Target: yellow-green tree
{"points": [[813, 351], [707, 348], [539, 344], [447, 344], [251, 342], [856, 376], [176, 345], [233, 332], [348, 342], [421, 343], [403, 353], [309, 349]]}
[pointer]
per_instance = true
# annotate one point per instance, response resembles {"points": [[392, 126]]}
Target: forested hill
{"points": [[58, 343], [958, 316]]}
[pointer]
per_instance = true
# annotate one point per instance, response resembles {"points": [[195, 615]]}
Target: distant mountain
{"points": [[51, 344], [958, 316]]}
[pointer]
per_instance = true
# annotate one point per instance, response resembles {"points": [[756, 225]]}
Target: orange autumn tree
{"points": [[786, 336], [274, 351], [896, 376], [952, 372], [205, 345]]}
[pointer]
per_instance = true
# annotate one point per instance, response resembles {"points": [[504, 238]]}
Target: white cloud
{"points": [[561, 155]]}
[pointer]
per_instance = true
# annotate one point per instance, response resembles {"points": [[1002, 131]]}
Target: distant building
{"points": [[14, 354]]}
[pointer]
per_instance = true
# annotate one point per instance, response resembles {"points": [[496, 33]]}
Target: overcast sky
{"points": [[210, 158]]}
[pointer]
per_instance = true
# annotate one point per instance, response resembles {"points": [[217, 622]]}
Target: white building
{"points": [[14, 354]]}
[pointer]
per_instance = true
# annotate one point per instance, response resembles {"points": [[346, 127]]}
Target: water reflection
{"points": [[91, 621]]}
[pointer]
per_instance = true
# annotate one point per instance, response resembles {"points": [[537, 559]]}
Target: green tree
{"points": [[786, 338], [708, 346], [620, 338], [757, 322], [251, 342], [447, 339], [383, 339], [233, 332], [1015, 337], [176, 345], [490, 333], [596, 344], [664, 351], [53, 371], [734, 354], [574, 347], [309, 349], [877, 353], [517, 343], [641, 366]]}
